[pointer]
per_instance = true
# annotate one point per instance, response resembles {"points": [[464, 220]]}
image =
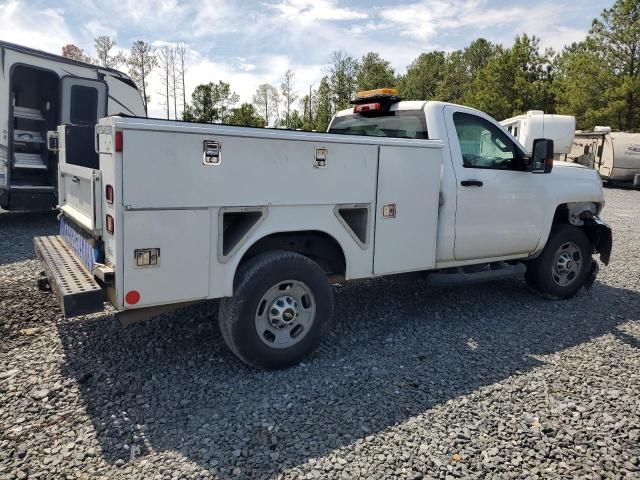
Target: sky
{"points": [[247, 42]]}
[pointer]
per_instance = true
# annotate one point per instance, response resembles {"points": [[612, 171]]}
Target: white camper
{"points": [[38, 92], [537, 124], [615, 155]]}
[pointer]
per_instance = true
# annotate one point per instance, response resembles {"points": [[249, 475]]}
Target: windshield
{"points": [[398, 124]]}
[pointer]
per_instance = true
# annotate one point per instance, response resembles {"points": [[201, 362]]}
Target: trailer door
{"points": [[84, 101]]}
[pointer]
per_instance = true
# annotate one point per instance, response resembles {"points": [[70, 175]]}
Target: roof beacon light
{"points": [[383, 97], [378, 92]]}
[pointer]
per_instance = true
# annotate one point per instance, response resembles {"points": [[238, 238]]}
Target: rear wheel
{"points": [[281, 308], [564, 265]]}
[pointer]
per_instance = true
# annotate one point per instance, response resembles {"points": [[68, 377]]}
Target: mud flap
{"points": [[604, 241]]}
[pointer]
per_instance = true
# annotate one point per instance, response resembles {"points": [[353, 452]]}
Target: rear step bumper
{"points": [[77, 291]]}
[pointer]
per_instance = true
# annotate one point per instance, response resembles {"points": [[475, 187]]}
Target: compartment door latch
{"points": [[211, 153]]}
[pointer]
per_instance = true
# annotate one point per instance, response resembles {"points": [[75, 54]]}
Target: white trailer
{"points": [[615, 155], [262, 219], [537, 124], [38, 92]]}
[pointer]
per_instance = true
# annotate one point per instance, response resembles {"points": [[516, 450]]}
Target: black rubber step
{"points": [[77, 291], [460, 277]]}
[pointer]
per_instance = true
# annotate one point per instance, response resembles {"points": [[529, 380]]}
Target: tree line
{"points": [[597, 80], [141, 61]]}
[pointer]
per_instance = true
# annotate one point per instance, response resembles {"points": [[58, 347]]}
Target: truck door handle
{"points": [[471, 183]]}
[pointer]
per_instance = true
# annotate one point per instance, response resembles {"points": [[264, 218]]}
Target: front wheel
{"points": [[564, 265], [281, 308]]}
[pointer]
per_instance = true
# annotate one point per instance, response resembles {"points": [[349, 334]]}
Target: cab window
{"points": [[484, 145], [398, 124]]}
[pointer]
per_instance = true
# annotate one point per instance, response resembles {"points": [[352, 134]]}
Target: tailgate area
{"points": [[77, 291]]}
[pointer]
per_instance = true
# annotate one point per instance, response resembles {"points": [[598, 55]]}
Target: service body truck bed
{"points": [[181, 212]]}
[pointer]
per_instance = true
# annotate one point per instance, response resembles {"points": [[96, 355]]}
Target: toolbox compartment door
{"points": [[407, 209], [180, 241]]}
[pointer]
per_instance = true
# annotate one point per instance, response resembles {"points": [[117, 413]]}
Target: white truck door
{"points": [[499, 210]]}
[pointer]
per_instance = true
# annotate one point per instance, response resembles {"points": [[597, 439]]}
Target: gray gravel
{"points": [[414, 382]]}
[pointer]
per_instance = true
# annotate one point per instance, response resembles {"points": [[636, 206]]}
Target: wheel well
{"points": [[561, 215], [318, 246], [575, 213]]}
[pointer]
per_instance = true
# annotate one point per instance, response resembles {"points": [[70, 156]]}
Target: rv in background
{"points": [[38, 92], [537, 124], [615, 155]]}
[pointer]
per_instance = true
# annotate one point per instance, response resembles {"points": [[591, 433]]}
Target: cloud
{"points": [[248, 42], [95, 28], [307, 12], [41, 28], [429, 21]]}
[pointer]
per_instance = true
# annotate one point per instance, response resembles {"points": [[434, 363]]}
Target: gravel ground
{"points": [[414, 382]]}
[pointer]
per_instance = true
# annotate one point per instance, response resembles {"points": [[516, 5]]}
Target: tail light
{"points": [[367, 107], [108, 193], [119, 141], [109, 224]]}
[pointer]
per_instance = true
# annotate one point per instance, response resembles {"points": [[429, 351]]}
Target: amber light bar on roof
{"points": [[377, 92]]}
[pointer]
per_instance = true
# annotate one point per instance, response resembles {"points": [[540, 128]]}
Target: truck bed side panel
{"points": [[182, 272], [409, 182], [165, 170]]}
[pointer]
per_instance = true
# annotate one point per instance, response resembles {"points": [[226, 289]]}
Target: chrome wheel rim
{"points": [[567, 264], [285, 314]]}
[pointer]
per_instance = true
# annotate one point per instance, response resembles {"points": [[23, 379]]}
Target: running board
{"points": [[77, 291], [492, 272]]}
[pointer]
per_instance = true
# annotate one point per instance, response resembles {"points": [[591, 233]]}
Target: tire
{"points": [[281, 309], [564, 265]]}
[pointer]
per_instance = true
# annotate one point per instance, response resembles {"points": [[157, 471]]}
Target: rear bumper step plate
{"points": [[77, 291]]}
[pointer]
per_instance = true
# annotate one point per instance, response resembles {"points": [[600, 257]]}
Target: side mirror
{"points": [[542, 158]]}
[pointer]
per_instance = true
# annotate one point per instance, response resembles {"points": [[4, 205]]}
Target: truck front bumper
{"points": [[77, 291]]}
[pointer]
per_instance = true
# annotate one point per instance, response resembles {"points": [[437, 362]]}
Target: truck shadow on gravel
{"points": [[17, 230], [398, 348]]}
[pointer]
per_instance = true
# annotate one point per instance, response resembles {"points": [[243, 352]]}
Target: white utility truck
{"points": [[38, 92], [265, 219]]}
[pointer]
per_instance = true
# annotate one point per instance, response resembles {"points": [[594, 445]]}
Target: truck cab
{"points": [[494, 203], [38, 92]]}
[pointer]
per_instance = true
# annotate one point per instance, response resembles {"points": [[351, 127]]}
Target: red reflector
{"points": [[109, 223], [119, 141], [132, 297], [108, 193], [367, 107]]}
